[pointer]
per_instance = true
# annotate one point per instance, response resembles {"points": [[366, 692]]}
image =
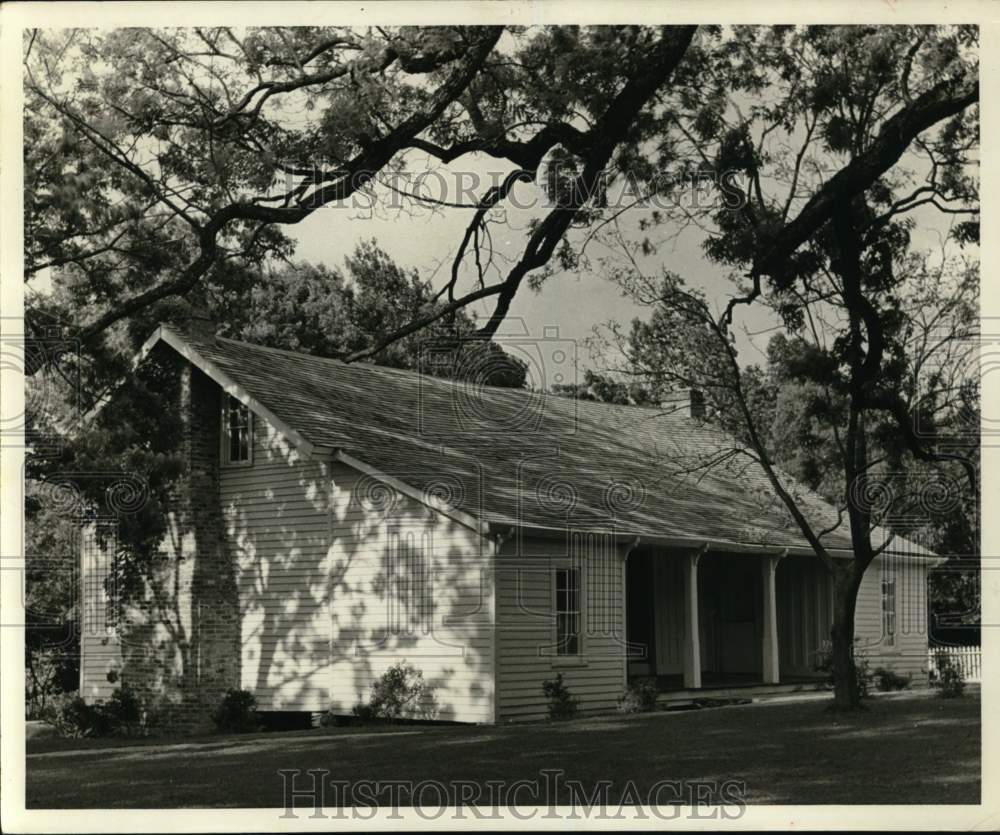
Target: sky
{"points": [[544, 328], [549, 329]]}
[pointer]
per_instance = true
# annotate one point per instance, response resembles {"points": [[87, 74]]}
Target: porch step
{"points": [[753, 693]]}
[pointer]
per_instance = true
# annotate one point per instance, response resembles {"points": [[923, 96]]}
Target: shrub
{"points": [[50, 676], [562, 704], [886, 680], [121, 715], [237, 712], [640, 696], [364, 712], [74, 718], [949, 679], [400, 693]]}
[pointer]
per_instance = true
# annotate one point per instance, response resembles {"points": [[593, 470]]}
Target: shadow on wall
{"points": [[407, 584], [180, 639]]}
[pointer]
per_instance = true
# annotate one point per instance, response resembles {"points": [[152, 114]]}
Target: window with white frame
{"points": [[237, 433], [567, 582], [889, 609]]}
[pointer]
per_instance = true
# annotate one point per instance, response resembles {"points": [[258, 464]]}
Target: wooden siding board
{"points": [[276, 512], [908, 656], [525, 624]]}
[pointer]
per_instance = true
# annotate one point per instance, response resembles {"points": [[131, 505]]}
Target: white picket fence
{"points": [[967, 659]]}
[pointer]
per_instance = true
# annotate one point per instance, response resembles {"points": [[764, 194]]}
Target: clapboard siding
{"points": [[277, 515], [908, 654], [409, 584], [526, 625]]}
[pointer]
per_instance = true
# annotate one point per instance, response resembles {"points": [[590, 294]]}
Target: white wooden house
{"points": [[342, 518]]}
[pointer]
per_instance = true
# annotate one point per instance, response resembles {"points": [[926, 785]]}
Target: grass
{"points": [[907, 748]]}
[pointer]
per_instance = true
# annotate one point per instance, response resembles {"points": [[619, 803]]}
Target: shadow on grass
{"points": [[913, 750]]}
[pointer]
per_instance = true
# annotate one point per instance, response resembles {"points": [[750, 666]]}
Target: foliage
{"points": [[603, 388], [887, 680], [120, 715], [51, 553], [50, 674], [640, 696], [947, 676], [335, 313], [562, 703], [400, 693], [236, 713], [183, 151]]}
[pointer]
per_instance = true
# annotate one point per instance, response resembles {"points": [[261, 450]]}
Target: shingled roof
{"points": [[517, 458]]}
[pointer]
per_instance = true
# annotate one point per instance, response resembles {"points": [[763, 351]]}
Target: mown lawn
{"points": [[912, 748]]}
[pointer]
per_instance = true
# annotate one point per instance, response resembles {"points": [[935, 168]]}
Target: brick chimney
{"points": [[197, 321], [686, 403]]}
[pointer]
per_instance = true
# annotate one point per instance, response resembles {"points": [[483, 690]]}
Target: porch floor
{"points": [[730, 686], [712, 680]]}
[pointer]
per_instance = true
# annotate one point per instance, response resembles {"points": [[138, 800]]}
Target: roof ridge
{"points": [[446, 381]]}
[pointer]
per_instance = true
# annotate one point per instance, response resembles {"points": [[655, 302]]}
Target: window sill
{"points": [[569, 661], [235, 465]]}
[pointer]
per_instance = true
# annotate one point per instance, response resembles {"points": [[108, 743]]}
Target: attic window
{"points": [[237, 433]]}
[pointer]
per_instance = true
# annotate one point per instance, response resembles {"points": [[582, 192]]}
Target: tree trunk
{"points": [[845, 679]]}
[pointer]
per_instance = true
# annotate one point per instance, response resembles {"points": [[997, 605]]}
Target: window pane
{"points": [[573, 591], [889, 609], [573, 645], [567, 605], [568, 634], [237, 431], [561, 592]]}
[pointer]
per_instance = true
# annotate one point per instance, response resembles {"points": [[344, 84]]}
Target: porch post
{"points": [[628, 549], [692, 642], [770, 649]]}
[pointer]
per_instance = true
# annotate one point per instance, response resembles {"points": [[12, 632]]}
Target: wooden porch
{"points": [[720, 622], [753, 692]]}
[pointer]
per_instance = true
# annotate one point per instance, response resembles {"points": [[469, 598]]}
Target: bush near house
{"points": [[50, 680], [400, 693], [121, 715], [886, 680], [639, 697], [562, 704], [947, 677], [237, 712]]}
